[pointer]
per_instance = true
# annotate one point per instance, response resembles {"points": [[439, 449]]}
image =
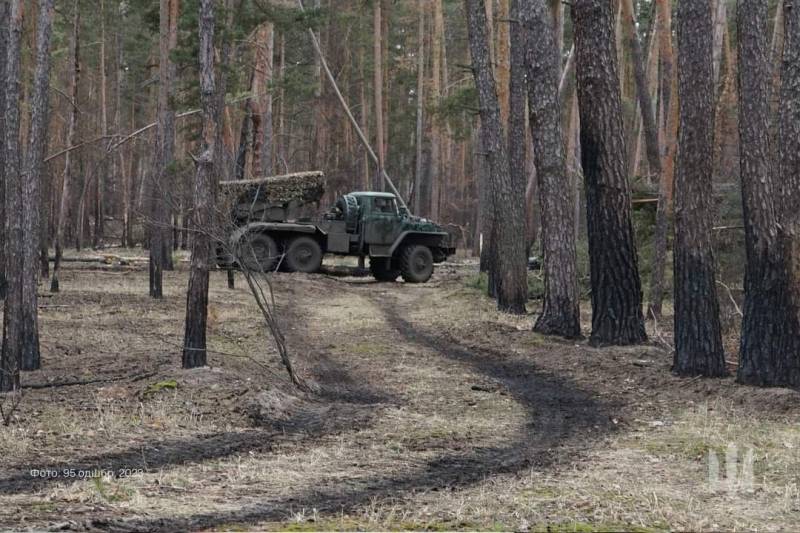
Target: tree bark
{"points": [[503, 59], [161, 177], [99, 206], [418, 163], [698, 338], [72, 128], [616, 287], [668, 128], [377, 88], [194, 350], [5, 16], [13, 326], [436, 166], [642, 90], [261, 108], [31, 185], [517, 136], [509, 262], [789, 357], [765, 285], [560, 310]]}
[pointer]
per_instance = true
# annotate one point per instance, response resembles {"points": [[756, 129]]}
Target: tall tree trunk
{"points": [[436, 163], [13, 324], [418, 163], [31, 180], [509, 262], [261, 109], [120, 175], [616, 287], [364, 117], [720, 24], [642, 90], [5, 16], [377, 88], [789, 358], [280, 139], [698, 338], [668, 129], [765, 353], [560, 309], [517, 135], [101, 175], [161, 177], [503, 58], [194, 346], [72, 128]]}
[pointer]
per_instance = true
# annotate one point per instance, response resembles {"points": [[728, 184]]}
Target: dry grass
{"points": [[437, 416]]}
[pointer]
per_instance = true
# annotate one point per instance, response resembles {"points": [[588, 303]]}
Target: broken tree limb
{"points": [[131, 135]]}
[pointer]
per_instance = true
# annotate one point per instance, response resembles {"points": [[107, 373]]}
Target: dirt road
{"points": [[433, 412]]}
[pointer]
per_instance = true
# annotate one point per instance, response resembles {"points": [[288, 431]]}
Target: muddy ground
{"points": [[432, 411]]}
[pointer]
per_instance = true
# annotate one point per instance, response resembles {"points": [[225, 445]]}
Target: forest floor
{"points": [[433, 411]]}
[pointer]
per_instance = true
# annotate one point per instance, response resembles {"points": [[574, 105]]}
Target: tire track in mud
{"points": [[561, 420]]}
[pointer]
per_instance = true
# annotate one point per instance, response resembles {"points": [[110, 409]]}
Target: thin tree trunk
{"points": [[720, 23], [668, 129], [281, 139], [767, 291], [161, 177], [66, 179], [642, 90], [517, 104], [509, 262], [436, 163], [119, 159], [101, 175], [378, 90], [503, 59], [194, 346], [560, 310], [616, 287], [261, 108], [418, 164], [698, 338]]}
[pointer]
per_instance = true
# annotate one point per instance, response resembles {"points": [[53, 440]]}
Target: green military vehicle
{"points": [[275, 228]]}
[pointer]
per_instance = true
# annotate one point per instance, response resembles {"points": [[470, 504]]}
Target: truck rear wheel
{"points": [[304, 254], [379, 266], [416, 263], [258, 252]]}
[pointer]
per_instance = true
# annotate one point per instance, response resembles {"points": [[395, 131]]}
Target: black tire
{"points": [[379, 266], [304, 254], [416, 263], [258, 252]]}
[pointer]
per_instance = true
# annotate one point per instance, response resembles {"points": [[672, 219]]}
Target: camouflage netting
{"points": [[307, 187], [254, 195]]}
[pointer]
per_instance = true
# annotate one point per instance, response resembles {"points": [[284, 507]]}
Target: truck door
{"points": [[381, 222]]}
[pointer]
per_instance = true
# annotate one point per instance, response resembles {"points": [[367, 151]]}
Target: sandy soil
{"points": [[433, 411]]}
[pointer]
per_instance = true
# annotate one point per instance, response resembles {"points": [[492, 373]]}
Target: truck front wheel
{"points": [[416, 263], [303, 255]]}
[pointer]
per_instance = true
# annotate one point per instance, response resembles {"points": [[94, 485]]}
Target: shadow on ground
{"points": [[562, 421]]}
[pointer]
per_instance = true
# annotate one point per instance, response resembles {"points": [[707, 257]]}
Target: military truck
{"points": [[275, 228]]}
